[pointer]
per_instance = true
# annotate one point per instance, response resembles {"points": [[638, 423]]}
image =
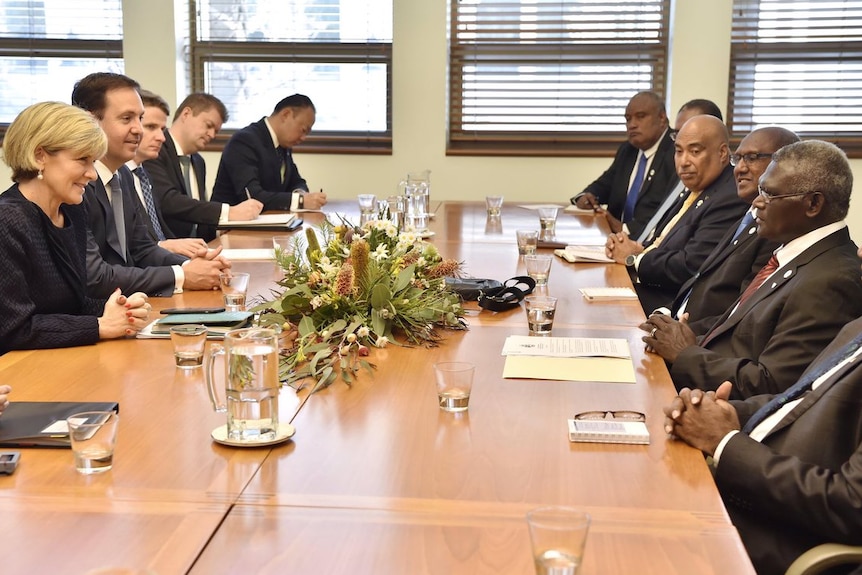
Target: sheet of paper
{"points": [[566, 347], [247, 254], [573, 209], [608, 294], [593, 369], [537, 206], [265, 220]]}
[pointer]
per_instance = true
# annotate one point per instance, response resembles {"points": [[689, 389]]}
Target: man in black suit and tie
{"points": [[642, 172], [118, 229], [257, 161], [178, 172], [693, 226], [154, 122], [797, 302], [741, 253], [788, 467]]}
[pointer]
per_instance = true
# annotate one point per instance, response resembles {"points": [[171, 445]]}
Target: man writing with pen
{"points": [[257, 161], [642, 173]]}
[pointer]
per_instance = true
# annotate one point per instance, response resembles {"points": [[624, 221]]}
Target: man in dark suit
{"points": [[692, 228], [789, 470], [257, 161], [642, 172], [118, 228], [182, 198], [798, 302], [741, 253]]}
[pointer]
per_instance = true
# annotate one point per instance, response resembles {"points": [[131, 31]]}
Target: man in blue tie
{"points": [[643, 170], [741, 252], [789, 466]]}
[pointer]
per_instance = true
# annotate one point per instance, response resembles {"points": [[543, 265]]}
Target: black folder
{"points": [[23, 423]]}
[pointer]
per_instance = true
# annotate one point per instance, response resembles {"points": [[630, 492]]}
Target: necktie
{"points": [[758, 280], [689, 201], [660, 212], [186, 164], [746, 221], [117, 206], [149, 204], [634, 190], [803, 385], [282, 158]]}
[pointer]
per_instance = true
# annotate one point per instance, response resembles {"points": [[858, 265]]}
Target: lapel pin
{"points": [[699, 203], [752, 230], [774, 285], [788, 273]]}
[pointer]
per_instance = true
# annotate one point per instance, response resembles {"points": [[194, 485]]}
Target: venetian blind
{"points": [[252, 53], [48, 45], [547, 77], [798, 64]]}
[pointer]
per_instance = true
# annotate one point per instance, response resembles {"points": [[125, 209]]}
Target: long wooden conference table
{"points": [[377, 478]]}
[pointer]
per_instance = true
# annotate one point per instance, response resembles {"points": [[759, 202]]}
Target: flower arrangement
{"points": [[354, 288]]}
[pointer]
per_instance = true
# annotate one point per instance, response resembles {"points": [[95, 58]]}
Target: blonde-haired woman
{"points": [[51, 148]]}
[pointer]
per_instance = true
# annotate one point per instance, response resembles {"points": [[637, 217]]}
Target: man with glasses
{"points": [[797, 302], [741, 252]]}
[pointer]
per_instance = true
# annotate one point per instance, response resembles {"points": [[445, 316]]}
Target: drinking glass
{"points": [[454, 383], [94, 436], [189, 341], [538, 267], [540, 314], [548, 223], [527, 241], [234, 287], [558, 536], [494, 205]]}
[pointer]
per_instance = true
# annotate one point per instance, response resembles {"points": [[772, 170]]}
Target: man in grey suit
{"points": [[798, 302], [118, 229], [788, 467], [741, 253], [642, 172], [178, 172]]}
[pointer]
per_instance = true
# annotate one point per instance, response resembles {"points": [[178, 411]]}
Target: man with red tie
{"points": [[801, 299]]}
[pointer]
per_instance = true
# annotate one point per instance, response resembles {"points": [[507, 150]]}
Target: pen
{"points": [[247, 193]]}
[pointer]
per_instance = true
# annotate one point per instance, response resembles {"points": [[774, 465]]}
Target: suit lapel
{"points": [[111, 236], [200, 176]]}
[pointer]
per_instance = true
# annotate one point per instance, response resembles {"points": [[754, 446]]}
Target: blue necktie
{"points": [[803, 385], [637, 183], [117, 207], [149, 204], [746, 221]]}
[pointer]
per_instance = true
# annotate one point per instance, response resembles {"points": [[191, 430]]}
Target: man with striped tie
{"points": [[798, 302], [788, 466]]}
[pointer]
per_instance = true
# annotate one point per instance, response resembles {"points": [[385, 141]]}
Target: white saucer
{"points": [[285, 432], [427, 234]]}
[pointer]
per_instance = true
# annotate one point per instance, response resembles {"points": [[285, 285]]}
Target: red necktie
{"points": [[758, 280]]}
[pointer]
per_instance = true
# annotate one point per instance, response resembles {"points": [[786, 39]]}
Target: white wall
{"points": [[698, 69]]}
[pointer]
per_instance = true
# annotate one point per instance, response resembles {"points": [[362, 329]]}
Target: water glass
{"points": [[93, 435], [527, 241], [454, 383], [494, 205], [540, 314], [282, 245], [234, 287], [538, 267], [558, 536], [548, 223], [367, 207], [189, 341]]}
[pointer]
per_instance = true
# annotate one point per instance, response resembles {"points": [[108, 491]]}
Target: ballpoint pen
{"points": [[247, 193]]}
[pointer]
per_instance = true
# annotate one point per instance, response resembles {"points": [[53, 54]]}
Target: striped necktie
{"points": [[803, 385], [149, 203]]}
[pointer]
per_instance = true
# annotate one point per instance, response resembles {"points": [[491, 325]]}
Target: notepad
{"points": [[609, 294], [588, 254], [43, 423], [249, 254], [263, 221], [217, 324], [608, 431]]}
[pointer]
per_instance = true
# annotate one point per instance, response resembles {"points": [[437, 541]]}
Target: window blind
{"points": [[550, 77], [48, 45], [252, 53], [798, 64]]}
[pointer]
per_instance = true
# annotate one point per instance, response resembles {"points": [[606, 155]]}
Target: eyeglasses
{"points": [[619, 415], [767, 197], [672, 133], [749, 158]]}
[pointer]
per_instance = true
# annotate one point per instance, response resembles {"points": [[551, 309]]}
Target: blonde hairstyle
{"points": [[52, 126]]}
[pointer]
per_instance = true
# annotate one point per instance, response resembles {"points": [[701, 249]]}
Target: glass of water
{"points": [[538, 267], [540, 314], [234, 287], [558, 536]]}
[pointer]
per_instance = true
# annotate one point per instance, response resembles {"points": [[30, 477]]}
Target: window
{"points": [[252, 53], [48, 45], [798, 65], [550, 77]]}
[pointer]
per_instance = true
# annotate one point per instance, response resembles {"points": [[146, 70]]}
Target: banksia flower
{"points": [[344, 280], [359, 258], [444, 269], [313, 251], [411, 257]]}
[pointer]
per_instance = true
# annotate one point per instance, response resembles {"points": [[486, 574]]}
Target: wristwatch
{"points": [[630, 260]]}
